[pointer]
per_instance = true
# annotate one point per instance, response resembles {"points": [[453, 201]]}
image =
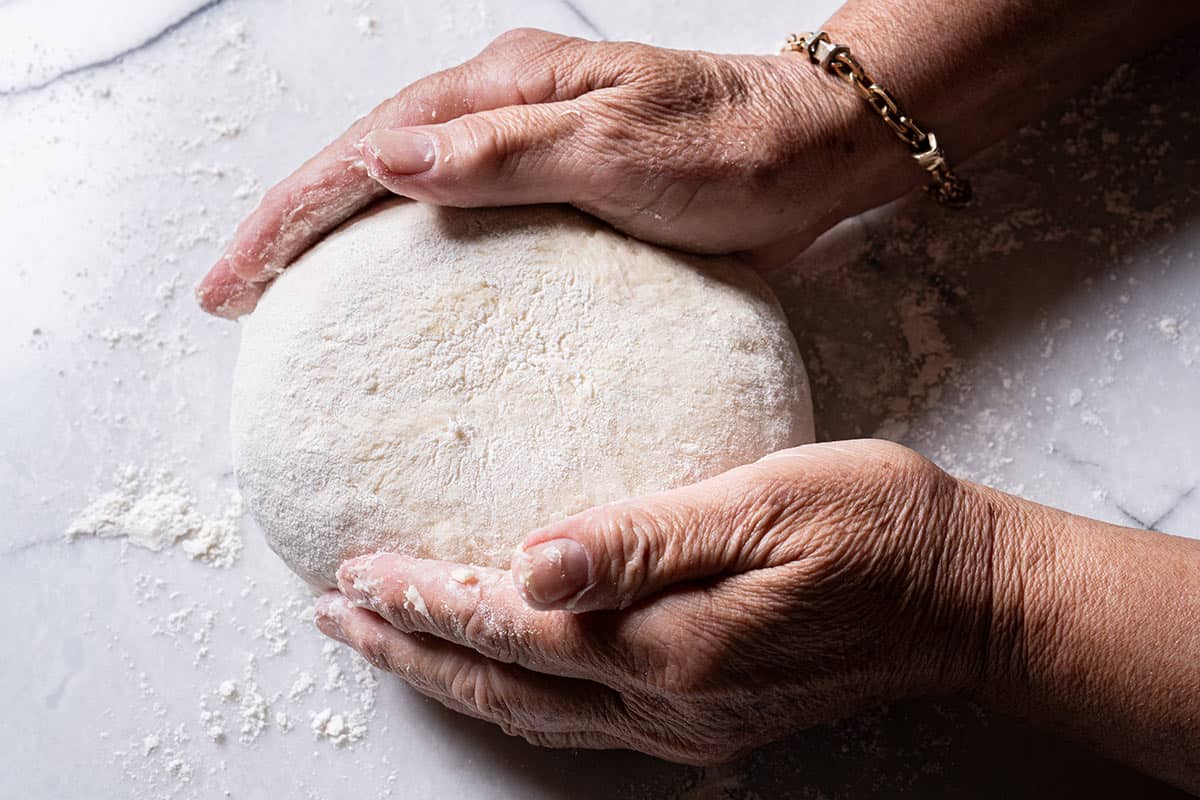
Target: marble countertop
{"points": [[1045, 341]]}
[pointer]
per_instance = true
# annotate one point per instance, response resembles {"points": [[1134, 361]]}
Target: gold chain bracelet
{"points": [[948, 188]]}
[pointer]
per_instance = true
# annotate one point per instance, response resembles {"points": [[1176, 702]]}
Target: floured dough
{"points": [[441, 382]]}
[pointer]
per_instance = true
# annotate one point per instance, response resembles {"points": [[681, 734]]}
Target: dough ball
{"points": [[441, 382]]}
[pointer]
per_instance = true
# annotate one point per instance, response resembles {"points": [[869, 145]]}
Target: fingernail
{"points": [[402, 152], [223, 293], [551, 571], [326, 617]]}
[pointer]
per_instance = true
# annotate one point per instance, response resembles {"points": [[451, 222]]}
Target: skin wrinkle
{"points": [[769, 509], [1017, 660], [637, 556], [466, 683], [940, 558]]}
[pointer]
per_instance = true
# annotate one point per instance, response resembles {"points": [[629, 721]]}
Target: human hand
{"points": [[703, 152], [699, 623]]}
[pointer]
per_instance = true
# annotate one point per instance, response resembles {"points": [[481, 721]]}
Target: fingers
{"points": [[519, 68], [293, 215], [224, 294], [508, 156], [612, 556], [516, 699], [473, 607]]}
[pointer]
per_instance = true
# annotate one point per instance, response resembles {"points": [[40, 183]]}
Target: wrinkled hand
{"points": [[698, 623], [702, 152]]}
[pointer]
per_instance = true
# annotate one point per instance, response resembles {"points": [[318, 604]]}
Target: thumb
{"points": [[514, 155], [612, 556]]}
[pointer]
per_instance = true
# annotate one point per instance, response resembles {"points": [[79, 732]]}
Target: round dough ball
{"points": [[441, 382]]}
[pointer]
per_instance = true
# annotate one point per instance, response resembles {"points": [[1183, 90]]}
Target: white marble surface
{"points": [[1046, 341]]}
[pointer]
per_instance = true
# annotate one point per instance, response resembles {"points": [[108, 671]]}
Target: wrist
{"points": [[1093, 635], [942, 639], [986, 573], [835, 157], [972, 618], [1023, 569]]}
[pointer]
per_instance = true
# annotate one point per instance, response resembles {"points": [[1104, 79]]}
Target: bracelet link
{"points": [[947, 188]]}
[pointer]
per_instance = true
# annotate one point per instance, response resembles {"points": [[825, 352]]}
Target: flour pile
{"points": [[157, 511]]}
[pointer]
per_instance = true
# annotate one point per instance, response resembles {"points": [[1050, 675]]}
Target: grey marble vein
{"points": [[117, 57], [1134, 518], [585, 19], [1183, 497], [1082, 464]]}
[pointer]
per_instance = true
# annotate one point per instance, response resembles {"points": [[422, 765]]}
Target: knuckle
{"points": [[709, 107], [380, 655], [284, 197], [543, 739], [521, 37], [386, 111], [632, 535], [390, 606], [643, 64], [475, 688], [682, 675], [607, 125], [542, 65], [508, 729], [700, 732], [763, 514], [655, 667], [892, 457], [682, 747], [636, 657], [480, 150], [487, 636], [908, 487], [463, 686]]}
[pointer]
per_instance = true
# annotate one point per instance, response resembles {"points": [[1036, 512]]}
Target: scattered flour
{"points": [[1170, 328], [157, 511], [340, 729], [274, 632], [253, 710], [304, 685]]}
